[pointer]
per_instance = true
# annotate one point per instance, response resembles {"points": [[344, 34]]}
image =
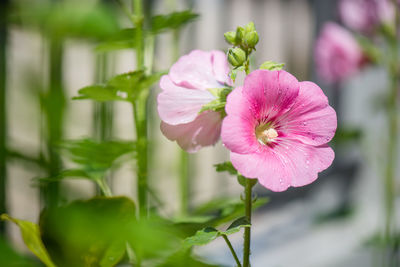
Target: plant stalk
{"points": [[247, 230], [3, 111], [232, 251]]}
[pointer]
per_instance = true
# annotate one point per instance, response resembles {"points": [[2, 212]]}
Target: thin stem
{"points": [[232, 251], [390, 193], [105, 189], [3, 110], [139, 109], [247, 231], [184, 183]]}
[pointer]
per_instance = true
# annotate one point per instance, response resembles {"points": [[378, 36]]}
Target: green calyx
{"points": [[236, 56], [218, 104]]}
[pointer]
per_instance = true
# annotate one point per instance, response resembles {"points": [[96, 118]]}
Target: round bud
{"points": [[236, 56], [251, 39], [230, 37]]}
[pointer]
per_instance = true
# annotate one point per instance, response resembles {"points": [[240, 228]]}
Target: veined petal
{"points": [[311, 119], [178, 105], [289, 164], [270, 93], [220, 67], [203, 131], [195, 71]]}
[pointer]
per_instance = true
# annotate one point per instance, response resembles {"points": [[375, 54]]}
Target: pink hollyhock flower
{"points": [[337, 53], [365, 15], [277, 129], [185, 92]]}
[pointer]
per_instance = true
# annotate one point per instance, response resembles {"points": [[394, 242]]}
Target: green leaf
{"points": [[236, 226], [173, 21], [96, 157], [123, 87], [31, 235], [113, 254], [226, 167], [202, 237], [63, 19], [182, 258], [271, 65], [219, 103], [344, 135], [101, 93], [9, 257], [88, 233], [124, 39]]}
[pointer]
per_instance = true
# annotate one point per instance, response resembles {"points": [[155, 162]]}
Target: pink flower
{"points": [[337, 53], [185, 91], [277, 129], [365, 15]]}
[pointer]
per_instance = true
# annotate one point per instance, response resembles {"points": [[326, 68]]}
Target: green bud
{"points": [[251, 39], [240, 32], [230, 37], [250, 27], [236, 56]]}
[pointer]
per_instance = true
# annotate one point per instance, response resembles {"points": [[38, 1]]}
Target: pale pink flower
{"points": [[337, 53], [185, 91], [277, 129], [365, 15]]}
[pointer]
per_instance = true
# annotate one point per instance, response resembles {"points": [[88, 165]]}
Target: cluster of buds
{"points": [[244, 41]]}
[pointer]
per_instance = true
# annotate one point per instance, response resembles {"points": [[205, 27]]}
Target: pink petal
{"points": [[287, 164], [194, 71], [177, 105], [237, 132], [270, 93], [310, 120], [203, 131], [221, 67]]}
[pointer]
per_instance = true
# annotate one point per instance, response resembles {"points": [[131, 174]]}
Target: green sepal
{"points": [[219, 103], [271, 65]]}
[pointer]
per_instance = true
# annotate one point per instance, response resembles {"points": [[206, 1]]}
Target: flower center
{"points": [[265, 134]]}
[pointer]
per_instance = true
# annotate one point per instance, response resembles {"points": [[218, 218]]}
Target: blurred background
{"points": [[328, 223]]}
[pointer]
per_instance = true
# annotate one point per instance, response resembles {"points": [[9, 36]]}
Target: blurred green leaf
{"points": [[31, 235], [60, 19], [9, 257], [88, 233], [173, 21], [122, 87], [100, 93], [344, 135], [113, 254], [271, 65], [95, 156], [124, 39], [236, 226], [370, 50], [226, 167], [202, 237], [182, 258]]}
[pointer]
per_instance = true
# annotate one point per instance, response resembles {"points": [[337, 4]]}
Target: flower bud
{"points": [[240, 32], [236, 56], [250, 27], [230, 37], [251, 39]]}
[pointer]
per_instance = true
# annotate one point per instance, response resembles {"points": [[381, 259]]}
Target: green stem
{"points": [[3, 110], [139, 109], [184, 183], [54, 110], [105, 189], [392, 111], [247, 230], [232, 251]]}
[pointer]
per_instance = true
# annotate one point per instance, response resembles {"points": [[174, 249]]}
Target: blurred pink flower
{"points": [[277, 129], [184, 92], [337, 53], [365, 15]]}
